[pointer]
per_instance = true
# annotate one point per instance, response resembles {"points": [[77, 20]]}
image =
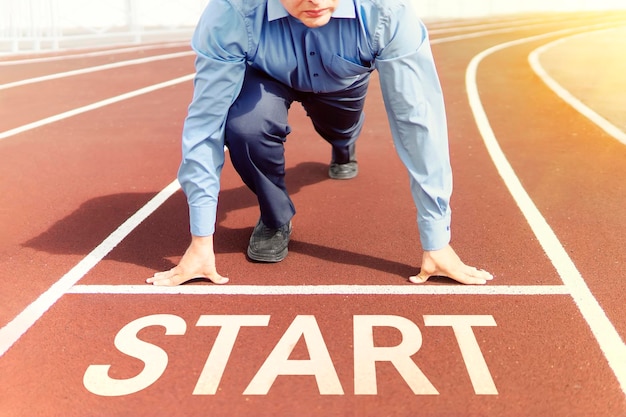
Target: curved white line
{"points": [[535, 62], [605, 333]]}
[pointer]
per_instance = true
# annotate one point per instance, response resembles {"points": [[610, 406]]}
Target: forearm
{"points": [[417, 119], [199, 176], [220, 40]]}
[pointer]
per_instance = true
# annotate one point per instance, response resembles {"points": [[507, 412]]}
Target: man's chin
{"points": [[316, 22]]}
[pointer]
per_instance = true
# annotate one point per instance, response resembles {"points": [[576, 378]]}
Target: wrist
{"points": [[202, 241]]}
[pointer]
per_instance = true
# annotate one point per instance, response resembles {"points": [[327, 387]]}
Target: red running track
{"points": [[89, 209]]}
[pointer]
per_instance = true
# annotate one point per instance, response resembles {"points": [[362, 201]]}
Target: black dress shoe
{"points": [[343, 171], [269, 245]]}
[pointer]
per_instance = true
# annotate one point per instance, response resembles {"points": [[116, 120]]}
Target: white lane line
{"points": [[605, 333], [442, 29], [323, 289], [535, 62], [11, 332], [477, 22], [73, 55], [480, 34], [93, 106], [510, 29], [88, 70]]}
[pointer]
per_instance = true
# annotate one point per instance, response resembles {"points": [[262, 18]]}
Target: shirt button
{"points": [[311, 53], [316, 75]]}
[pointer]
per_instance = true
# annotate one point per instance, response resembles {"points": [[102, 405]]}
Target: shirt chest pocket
{"points": [[343, 69]]}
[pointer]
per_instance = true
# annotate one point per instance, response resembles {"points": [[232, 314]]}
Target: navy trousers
{"points": [[257, 127]]}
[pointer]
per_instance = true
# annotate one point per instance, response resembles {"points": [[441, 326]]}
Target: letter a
{"points": [[278, 363]]}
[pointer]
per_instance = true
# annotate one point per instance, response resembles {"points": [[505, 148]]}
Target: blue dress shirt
{"points": [[361, 36]]}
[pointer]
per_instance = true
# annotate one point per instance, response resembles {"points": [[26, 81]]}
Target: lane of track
{"points": [[116, 269], [611, 111], [103, 67], [604, 331], [62, 59], [122, 153], [80, 89]]}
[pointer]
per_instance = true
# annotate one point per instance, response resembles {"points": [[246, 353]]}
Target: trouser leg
{"points": [[256, 129], [338, 118]]}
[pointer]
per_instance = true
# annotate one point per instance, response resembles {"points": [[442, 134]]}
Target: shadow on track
{"points": [[165, 234]]}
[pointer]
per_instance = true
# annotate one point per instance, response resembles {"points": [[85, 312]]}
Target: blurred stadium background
{"points": [[41, 25]]}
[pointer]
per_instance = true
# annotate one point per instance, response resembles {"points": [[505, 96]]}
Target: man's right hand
{"points": [[197, 262]]}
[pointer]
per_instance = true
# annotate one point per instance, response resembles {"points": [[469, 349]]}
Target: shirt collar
{"points": [[275, 10]]}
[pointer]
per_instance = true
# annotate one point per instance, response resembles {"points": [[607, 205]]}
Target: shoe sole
{"points": [[273, 258], [344, 176]]}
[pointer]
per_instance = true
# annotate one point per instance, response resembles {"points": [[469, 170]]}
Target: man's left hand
{"points": [[445, 262]]}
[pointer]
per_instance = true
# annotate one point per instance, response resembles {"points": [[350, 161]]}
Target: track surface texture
{"points": [[89, 207]]}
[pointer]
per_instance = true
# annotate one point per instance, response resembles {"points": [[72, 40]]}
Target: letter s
{"points": [[97, 379]]}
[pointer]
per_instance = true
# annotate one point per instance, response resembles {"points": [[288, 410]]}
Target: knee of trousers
{"points": [[254, 132], [340, 133]]}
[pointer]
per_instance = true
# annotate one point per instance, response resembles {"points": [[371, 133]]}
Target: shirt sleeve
{"points": [[220, 42], [415, 108]]}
